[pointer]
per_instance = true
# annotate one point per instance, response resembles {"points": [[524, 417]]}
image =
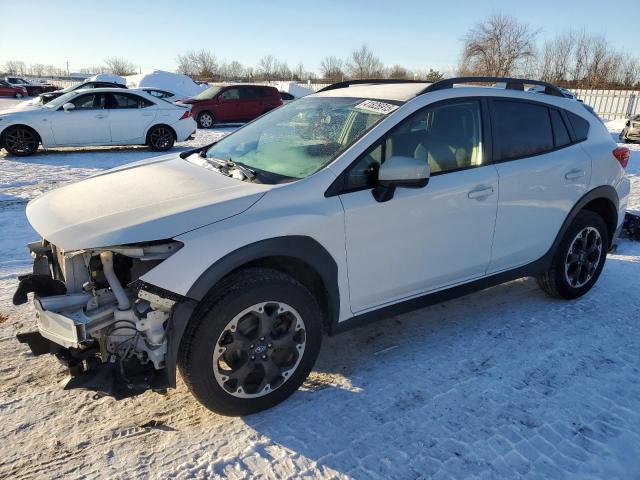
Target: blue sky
{"points": [[416, 34]]}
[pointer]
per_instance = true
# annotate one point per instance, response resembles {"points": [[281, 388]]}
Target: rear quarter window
{"points": [[520, 129], [560, 132], [580, 126]]}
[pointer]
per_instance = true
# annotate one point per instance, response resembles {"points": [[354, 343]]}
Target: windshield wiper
{"points": [[229, 164]]}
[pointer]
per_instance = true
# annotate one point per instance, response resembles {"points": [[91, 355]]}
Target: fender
{"points": [[604, 191], [301, 248]]}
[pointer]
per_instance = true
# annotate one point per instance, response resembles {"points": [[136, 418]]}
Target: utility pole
{"points": [[67, 68]]}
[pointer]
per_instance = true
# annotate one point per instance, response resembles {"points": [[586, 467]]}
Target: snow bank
{"points": [[179, 84], [294, 89], [106, 77]]}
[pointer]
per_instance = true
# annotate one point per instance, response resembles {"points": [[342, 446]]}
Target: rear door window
{"points": [[520, 129], [121, 100], [250, 93]]}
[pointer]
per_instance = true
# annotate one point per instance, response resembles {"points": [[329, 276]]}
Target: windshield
{"points": [[61, 100], [300, 138], [208, 94]]}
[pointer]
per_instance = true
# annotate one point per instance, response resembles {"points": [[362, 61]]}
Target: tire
{"points": [[18, 95], [20, 141], [206, 119], [573, 270], [240, 296], [623, 136], [160, 138], [36, 92]]}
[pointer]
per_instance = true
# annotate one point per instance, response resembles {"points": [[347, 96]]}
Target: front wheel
{"points": [[252, 344], [623, 136], [579, 258], [160, 138], [18, 95], [21, 141]]}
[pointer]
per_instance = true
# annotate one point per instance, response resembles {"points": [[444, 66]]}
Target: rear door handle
{"points": [[574, 174], [101, 115], [480, 192]]}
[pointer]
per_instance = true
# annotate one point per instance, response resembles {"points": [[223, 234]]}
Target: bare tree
{"points": [[363, 64], [398, 72], [556, 58], [235, 70], [282, 71], [120, 66], [332, 69], [15, 67], [37, 69], [498, 46], [630, 71], [202, 64], [267, 67], [299, 74], [186, 66]]}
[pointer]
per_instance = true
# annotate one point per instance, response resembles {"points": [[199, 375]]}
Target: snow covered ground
{"points": [[505, 383]]}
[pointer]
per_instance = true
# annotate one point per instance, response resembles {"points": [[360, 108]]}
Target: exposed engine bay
{"points": [[97, 317]]}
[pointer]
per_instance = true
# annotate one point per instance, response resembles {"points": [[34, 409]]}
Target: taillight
{"points": [[185, 115], [622, 154]]}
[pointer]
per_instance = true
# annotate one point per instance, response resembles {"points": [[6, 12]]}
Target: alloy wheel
{"points": [[21, 141], [259, 349], [206, 120], [583, 257], [161, 138]]}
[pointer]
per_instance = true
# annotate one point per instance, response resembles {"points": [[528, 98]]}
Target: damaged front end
{"points": [[96, 316]]}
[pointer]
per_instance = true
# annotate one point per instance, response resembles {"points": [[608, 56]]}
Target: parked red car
{"points": [[33, 89], [232, 103], [7, 90]]}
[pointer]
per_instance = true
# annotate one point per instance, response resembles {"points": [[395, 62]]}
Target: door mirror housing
{"points": [[403, 172], [67, 107]]}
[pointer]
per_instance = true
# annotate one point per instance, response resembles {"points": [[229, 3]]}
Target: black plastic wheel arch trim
{"points": [[297, 247]]}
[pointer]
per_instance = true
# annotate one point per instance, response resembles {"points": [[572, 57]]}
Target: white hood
{"points": [[152, 200], [24, 108]]}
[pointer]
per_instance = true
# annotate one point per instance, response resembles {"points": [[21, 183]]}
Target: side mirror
{"points": [[67, 107], [404, 172]]}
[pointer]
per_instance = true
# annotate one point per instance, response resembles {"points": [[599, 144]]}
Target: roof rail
{"points": [[373, 81], [511, 84]]}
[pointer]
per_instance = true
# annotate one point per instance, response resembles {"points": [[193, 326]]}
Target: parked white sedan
{"points": [[102, 116]]}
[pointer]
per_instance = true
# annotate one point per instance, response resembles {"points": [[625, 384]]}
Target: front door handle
{"points": [[101, 115], [574, 174], [480, 193]]}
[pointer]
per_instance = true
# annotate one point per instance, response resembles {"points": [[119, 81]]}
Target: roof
{"points": [[401, 92]]}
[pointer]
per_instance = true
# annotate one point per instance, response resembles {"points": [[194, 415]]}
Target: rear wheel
{"points": [[160, 138], [252, 344], [579, 259], [206, 120], [20, 141]]}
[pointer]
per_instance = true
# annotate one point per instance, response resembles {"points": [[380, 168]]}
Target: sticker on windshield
{"points": [[381, 108]]}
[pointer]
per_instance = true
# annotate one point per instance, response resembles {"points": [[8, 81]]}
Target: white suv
{"points": [[361, 201]]}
